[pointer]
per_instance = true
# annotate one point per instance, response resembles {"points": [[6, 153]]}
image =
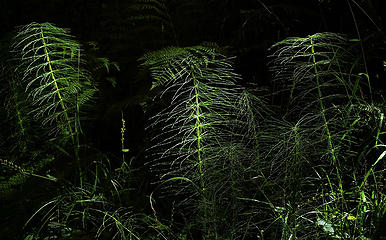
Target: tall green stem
{"points": [[200, 160], [56, 85], [75, 140], [329, 138]]}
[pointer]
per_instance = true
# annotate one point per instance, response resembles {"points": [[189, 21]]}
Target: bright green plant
{"points": [[54, 76], [48, 88], [198, 121], [334, 136]]}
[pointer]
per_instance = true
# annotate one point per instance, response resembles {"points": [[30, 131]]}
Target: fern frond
{"points": [[53, 75], [153, 15], [177, 60]]}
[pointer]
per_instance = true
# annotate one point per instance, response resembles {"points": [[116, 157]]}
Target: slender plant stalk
{"points": [[24, 171], [200, 160], [75, 140], [195, 127], [325, 122], [56, 85]]}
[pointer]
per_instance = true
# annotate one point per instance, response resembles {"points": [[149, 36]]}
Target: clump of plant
{"points": [[197, 146], [49, 88], [309, 163], [324, 150]]}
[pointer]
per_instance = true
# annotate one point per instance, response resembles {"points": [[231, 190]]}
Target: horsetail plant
{"points": [[54, 79], [319, 73], [314, 71], [200, 92]]}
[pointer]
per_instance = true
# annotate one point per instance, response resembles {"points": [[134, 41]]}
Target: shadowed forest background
{"points": [[199, 119]]}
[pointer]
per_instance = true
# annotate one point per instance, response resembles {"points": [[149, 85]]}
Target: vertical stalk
{"points": [[329, 138], [253, 126], [123, 131], [56, 84], [74, 138], [362, 48], [76, 143], [200, 160], [18, 113]]}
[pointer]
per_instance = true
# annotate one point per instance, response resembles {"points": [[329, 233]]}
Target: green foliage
{"points": [[11, 182], [179, 59], [227, 164], [200, 91], [332, 137], [53, 75], [16, 126], [47, 90]]}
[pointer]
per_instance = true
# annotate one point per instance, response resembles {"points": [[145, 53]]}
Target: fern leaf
{"points": [[176, 60], [53, 75]]}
